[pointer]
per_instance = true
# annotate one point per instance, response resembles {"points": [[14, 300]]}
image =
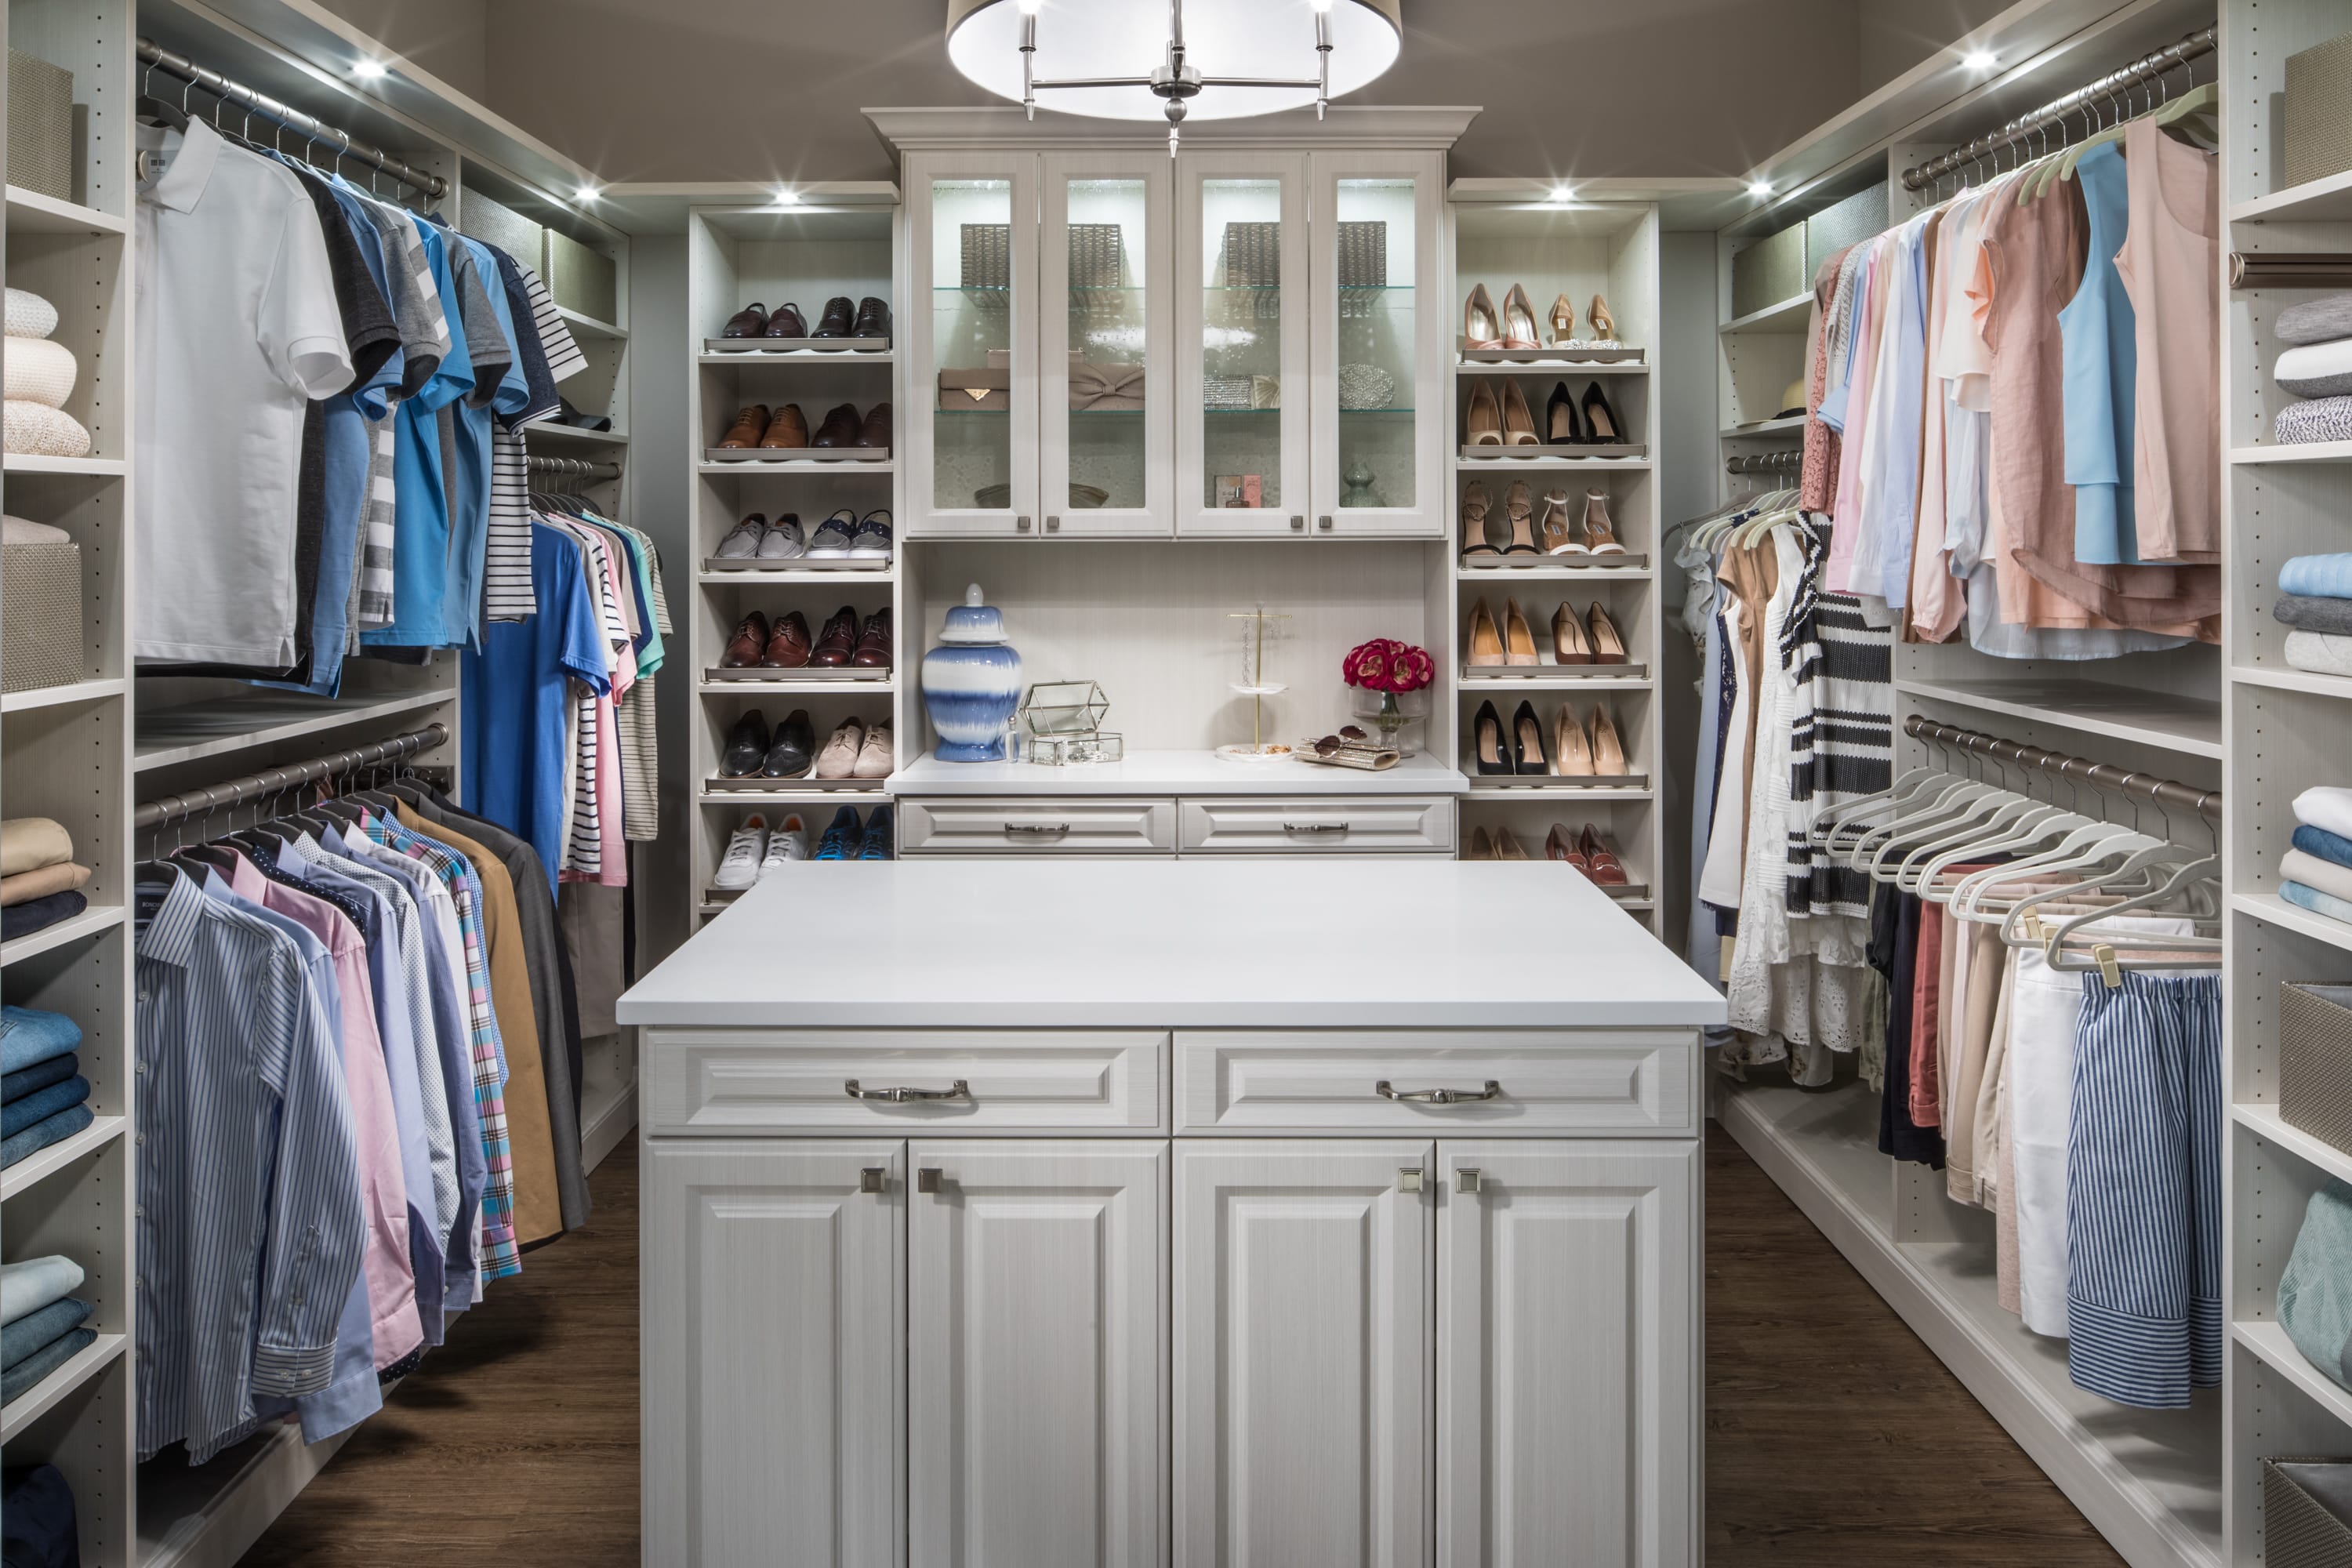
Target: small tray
{"points": [[840, 672], [795, 345], [1367, 759], [859, 563], [1507, 454], [756, 785], [1556, 784], [1500, 564], [1504, 674], [1540, 358], [796, 454]]}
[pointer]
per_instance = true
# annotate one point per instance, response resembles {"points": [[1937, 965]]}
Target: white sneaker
{"points": [[739, 867], [788, 843]]}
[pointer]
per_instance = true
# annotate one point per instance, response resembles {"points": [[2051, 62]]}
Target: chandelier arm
{"points": [[1255, 81], [1093, 81]]}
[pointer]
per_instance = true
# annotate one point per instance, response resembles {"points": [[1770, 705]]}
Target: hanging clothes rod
{"points": [[2146, 68], [1764, 463], [271, 781], [157, 58], [2205, 803], [2290, 269], [576, 467]]}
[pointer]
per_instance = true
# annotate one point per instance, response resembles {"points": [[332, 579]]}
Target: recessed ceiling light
{"points": [[1978, 60], [585, 194], [786, 197], [369, 70], [1563, 193], [1760, 187]]}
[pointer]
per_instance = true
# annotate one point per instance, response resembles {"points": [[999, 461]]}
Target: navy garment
{"points": [[38, 914], [40, 1075], [41, 1134], [37, 1529], [42, 1104], [20, 1379], [1896, 1135], [42, 1327]]}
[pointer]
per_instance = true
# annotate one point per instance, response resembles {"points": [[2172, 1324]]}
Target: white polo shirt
{"points": [[236, 330]]}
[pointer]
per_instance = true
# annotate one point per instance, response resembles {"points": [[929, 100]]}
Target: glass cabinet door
{"points": [[1106, 419], [1241, 459], [1379, 345], [971, 451]]}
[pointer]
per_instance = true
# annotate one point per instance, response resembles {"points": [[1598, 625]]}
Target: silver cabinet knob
{"points": [[1408, 1178], [1324, 523], [927, 1180], [1468, 1180], [1052, 525], [1021, 523], [1297, 525], [873, 1179]]}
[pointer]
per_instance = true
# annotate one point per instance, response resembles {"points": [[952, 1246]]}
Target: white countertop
{"points": [[1165, 943], [1174, 773]]}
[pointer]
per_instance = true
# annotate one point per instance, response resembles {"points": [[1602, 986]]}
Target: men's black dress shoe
{"points": [[873, 319], [794, 750], [836, 320], [746, 743]]}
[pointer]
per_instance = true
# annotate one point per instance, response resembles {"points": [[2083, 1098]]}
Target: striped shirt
{"points": [[564, 359], [248, 1223], [423, 341], [505, 584]]}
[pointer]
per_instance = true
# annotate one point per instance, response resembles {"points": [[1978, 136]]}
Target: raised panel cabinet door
{"points": [[772, 1278], [1037, 1342], [1567, 1347], [1303, 1279]]}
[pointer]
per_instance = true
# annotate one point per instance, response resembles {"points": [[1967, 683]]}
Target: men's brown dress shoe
{"points": [[875, 431], [839, 642], [786, 322], [873, 319], [748, 322], [836, 320], [788, 643], [788, 428], [744, 647], [750, 424], [840, 428], [874, 643]]}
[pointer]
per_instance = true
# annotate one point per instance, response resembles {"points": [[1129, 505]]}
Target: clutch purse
{"points": [[1105, 387]]}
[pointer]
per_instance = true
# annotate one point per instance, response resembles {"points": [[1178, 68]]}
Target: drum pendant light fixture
{"points": [[1176, 60]]}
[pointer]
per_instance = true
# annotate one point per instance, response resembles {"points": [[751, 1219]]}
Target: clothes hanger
{"points": [[2131, 874], [1975, 815], [2116, 951]]}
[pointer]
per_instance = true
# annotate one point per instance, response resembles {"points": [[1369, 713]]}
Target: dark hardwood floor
{"points": [[1833, 1436]]}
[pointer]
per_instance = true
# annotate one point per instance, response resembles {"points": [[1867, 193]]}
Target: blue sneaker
{"points": [[878, 835], [842, 839]]}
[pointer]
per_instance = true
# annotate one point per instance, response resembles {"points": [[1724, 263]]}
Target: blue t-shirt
{"points": [[420, 548], [469, 523], [518, 750]]}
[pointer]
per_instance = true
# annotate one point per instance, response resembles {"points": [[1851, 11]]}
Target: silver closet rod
{"points": [[2205, 803], [1764, 462], [576, 467], [2148, 67], [270, 781], [285, 114]]}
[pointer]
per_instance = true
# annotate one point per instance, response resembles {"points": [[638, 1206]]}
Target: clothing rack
{"points": [[272, 781], [2146, 68], [1764, 463], [2160, 793], [576, 467], [2290, 269], [157, 58]]}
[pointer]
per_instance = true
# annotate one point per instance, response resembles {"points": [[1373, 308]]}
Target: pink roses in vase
{"points": [[1383, 671]]}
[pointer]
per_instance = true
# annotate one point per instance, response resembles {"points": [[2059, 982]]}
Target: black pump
{"points": [[1487, 741], [1526, 742], [1562, 427], [1602, 426]]}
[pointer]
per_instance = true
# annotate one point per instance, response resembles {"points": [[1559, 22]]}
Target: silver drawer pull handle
{"points": [[1315, 827], [903, 1095], [1438, 1096], [1037, 829]]}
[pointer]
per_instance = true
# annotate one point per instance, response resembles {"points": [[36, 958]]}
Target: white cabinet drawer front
{"points": [[1330, 826], [1617, 1082], [952, 826], [787, 1080]]}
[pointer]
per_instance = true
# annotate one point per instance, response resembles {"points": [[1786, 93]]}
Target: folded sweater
{"points": [[29, 843], [2326, 805], [2310, 613], [65, 877]]}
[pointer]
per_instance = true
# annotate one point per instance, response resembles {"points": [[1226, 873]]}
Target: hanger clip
{"points": [[2109, 970]]}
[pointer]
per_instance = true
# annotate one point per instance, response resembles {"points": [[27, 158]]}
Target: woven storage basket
{"points": [[41, 126], [1769, 271], [1098, 255], [2303, 1506], [1364, 254], [2315, 1066], [1253, 255], [2316, 112], [40, 616], [987, 255], [1862, 216], [580, 279], [493, 224]]}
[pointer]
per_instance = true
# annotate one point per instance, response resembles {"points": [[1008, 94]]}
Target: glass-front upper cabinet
{"points": [[1242, 294], [1106, 319], [1379, 345], [972, 439]]}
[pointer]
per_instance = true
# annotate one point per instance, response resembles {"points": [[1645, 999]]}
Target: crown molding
{"points": [[1429, 129]]}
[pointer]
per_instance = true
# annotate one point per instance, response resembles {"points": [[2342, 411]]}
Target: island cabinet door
{"points": [[774, 1304], [1303, 1347], [1568, 1349], [1037, 1341]]}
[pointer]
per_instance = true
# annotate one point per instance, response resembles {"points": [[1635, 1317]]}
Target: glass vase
{"points": [[1394, 717]]}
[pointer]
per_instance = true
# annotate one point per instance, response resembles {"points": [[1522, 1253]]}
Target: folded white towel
{"points": [[2315, 370], [2327, 806]]}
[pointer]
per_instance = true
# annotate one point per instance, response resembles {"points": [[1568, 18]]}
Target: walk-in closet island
{"points": [[1307, 1211]]}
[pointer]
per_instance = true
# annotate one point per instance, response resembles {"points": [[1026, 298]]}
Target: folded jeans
{"points": [[42, 1104], [33, 1330], [20, 1378], [29, 1034], [41, 1134], [16, 1085], [32, 1284]]}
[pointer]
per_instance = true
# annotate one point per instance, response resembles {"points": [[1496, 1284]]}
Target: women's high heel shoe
{"points": [[1487, 741], [1518, 640], [1483, 417], [1474, 520], [1571, 753], [1608, 746], [1528, 752], [1559, 528], [1604, 325], [1602, 426], [1518, 420], [1568, 643], [1519, 505], [1562, 427], [1481, 328], [1486, 642], [1519, 321], [1608, 643], [1481, 847], [1507, 846], [1563, 320], [1599, 533]]}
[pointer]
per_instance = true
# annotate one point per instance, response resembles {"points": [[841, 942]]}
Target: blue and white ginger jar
{"points": [[971, 683]]}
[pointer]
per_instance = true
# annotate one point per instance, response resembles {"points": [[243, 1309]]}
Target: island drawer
{"points": [[1036, 825], [736, 1081], [1278, 825], [1607, 1082]]}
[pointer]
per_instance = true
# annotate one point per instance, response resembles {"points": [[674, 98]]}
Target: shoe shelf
{"points": [[802, 683], [803, 571], [546, 429], [1542, 364], [1486, 570]]}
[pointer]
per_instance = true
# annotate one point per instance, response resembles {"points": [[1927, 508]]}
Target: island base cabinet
{"points": [[772, 1278], [1304, 1270], [1038, 1354], [1568, 1340]]}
